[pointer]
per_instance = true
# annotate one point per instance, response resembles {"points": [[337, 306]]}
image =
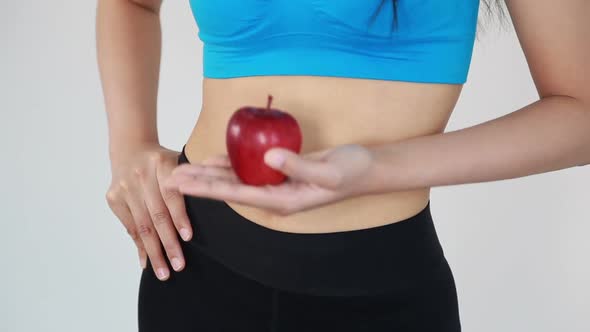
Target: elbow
{"points": [[580, 105], [582, 101]]}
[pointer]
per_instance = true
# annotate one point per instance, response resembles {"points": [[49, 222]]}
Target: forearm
{"points": [[550, 134], [128, 38]]}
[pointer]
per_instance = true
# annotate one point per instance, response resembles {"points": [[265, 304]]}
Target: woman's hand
{"points": [[314, 179], [150, 213]]}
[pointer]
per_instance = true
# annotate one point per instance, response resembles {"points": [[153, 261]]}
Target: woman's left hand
{"points": [[314, 179]]}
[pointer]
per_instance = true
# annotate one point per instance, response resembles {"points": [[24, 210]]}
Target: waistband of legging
{"points": [[380, 259]]}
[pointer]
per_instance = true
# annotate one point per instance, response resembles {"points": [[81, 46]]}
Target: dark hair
{"points": [[490, 9], [493, 10]]}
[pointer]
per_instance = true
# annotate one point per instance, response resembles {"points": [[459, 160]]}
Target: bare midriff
{"points": [[330, 111]]}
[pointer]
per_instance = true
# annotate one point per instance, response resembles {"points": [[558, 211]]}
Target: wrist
{"points": [[379, 173], [121, 149], [389, 170]]}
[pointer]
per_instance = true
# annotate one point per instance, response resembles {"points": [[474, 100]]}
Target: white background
{"points": [[519, 248]]}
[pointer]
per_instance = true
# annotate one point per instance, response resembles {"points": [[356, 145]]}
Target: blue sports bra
{"points": [[432, 40]]}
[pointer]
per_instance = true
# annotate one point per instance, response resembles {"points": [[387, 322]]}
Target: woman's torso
{"points": [[331, 111]]}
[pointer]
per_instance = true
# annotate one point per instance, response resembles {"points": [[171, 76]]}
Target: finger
{"points": [[221, 160], [220, 189], [174, 181], [142, 256], [121, 210], [175, 202], [148, 235], [305, 170], [161, 219], [197, 169]]}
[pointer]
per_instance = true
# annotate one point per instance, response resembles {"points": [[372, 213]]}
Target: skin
{"points": [[398, 156]]}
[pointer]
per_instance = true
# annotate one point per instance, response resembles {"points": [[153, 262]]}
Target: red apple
{"points": [[251, 131]]}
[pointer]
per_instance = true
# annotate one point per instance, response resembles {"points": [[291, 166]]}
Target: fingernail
{"points": [[176, 264], [162, 273], [185, 234], [142, 263], [274, 159]]}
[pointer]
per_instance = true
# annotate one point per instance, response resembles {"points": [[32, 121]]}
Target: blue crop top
{"points": [[432, 41]]}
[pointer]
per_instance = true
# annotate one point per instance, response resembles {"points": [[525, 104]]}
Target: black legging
{"points": [[241, 276]]}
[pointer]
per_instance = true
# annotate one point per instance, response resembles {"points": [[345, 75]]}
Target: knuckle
{"points": [[139, 172], [112, 196], [132, 233], [160, 217], [170, 194], [179, 217], [144, 230], [123, 184], [169, 247], [155, 157]]}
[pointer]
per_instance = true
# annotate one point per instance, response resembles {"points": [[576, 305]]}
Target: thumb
{"points": [[306, 170]]}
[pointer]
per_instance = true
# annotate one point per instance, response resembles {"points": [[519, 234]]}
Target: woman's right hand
{"points": [[151, 214]]}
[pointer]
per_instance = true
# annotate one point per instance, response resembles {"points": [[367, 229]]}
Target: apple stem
{"points": [[269, 102]]}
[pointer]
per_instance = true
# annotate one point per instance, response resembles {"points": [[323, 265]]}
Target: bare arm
{"points": [[128, 37], [550, 134], [129, 42]]}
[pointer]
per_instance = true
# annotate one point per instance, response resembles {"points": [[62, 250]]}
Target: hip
{"points": [[209, 296]]}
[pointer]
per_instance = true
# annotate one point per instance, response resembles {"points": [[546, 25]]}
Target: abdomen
{"points": [[330, 111]]}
